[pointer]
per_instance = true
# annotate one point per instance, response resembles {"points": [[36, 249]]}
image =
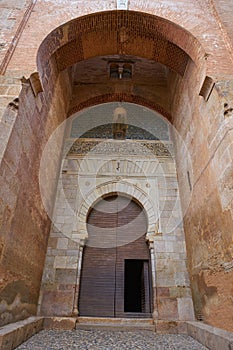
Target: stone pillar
{"points": [[77, 285], [153, 271]]}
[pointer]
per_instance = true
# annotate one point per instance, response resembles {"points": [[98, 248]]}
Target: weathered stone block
{"points": [[185, 309], [163, 292], [65, 276], [167, 309], [57, 303], [62, 323], [72, 262], [60, 262], [62, 243], [170, 327]]}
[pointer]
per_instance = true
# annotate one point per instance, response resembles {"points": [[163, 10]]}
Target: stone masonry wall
{"points": [[208, 223], [83, 175], [24, 223]]}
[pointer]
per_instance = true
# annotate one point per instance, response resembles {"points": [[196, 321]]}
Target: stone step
{"points": [[115, 324], [13, 334]]}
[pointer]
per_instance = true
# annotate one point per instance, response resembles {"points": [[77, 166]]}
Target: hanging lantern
{"points": [[120, 125]]}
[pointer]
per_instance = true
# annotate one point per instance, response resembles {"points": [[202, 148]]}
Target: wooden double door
{"points": [[116, 277]]}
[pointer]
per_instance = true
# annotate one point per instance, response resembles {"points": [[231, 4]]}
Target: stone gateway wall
{"points": [[150, 178], [173, 49]]}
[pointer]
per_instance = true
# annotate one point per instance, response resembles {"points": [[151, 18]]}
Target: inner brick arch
{"points": [[121, 97]]}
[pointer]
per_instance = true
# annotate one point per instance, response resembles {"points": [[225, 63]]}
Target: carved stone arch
{"points": [[122, 188]]}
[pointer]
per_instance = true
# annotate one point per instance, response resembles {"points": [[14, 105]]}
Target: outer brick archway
{"points": [[119, 32], [116, 33], [124, 33]]}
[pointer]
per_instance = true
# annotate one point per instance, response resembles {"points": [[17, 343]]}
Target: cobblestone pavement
{"points": [[107, 340]]}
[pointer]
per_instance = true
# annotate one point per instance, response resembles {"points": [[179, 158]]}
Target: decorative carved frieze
{"points": [[139, 148]]}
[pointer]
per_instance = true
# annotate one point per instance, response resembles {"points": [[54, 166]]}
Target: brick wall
{"points": [[24, 221], [208, 217]]}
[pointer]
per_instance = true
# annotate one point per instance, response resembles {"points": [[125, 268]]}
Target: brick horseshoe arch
{"points": [[123, 188], [116, 32], [124, 31]]}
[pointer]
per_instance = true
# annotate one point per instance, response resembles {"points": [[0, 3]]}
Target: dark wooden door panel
{"points": [[116, 228], [131, 221], [102, 222], [97, 289]]}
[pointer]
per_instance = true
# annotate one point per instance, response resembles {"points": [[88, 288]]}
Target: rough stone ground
{"points": [[107, 340]]}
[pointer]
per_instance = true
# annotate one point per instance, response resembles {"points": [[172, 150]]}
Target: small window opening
{"points": [[120, 70], [114, 71]]}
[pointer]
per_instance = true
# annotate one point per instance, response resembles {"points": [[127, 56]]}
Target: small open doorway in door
{"points": [[137, 286]]}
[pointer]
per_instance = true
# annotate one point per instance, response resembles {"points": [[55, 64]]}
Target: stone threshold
{"points": [[116, 324], [115, 320], [12, 335]]}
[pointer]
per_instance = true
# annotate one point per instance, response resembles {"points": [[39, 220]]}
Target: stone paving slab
{"points": [[105, 340]]}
